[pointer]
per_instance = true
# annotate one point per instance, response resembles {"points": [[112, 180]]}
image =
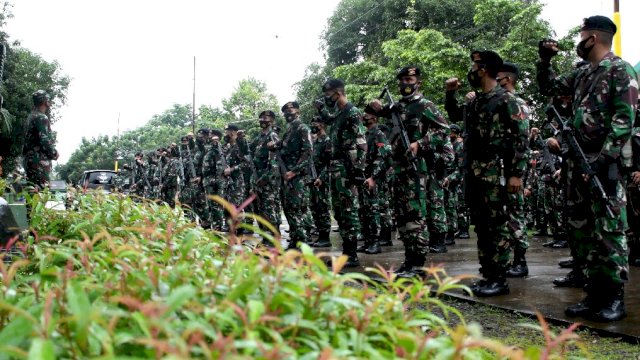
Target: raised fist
{"points": [[547, 49], [453, 84]]}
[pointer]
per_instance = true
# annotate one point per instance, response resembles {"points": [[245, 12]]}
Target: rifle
{"points": [[568, 132], [398, 127]]}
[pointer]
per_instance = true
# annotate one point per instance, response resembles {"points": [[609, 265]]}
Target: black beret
{"points": [[510, 68], [490, 59], [267, 113], [290, 104], [215, 132], [455, 128], [332, 84], [203, 131], [232, 127], [408, 71], [599, 23], [139, 153]]}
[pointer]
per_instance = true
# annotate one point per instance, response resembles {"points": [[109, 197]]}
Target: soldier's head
{"points": [[266, 119], [485, 66], [368, 120], [215, 136], [409, 80], [334, 95], [126, 167], [534, 132], [455, 131], [508, 76], [41, 100], [202, 135], [596, 37], [317, 126], [291, 111], [231, 133], [138, 155]]}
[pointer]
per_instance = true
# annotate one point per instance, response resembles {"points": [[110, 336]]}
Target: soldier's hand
{"points": [[227, 171], [452, 84], [547, 49], [317, 183], [376, 105], [196, 180], [553, 144], [470, 96], [635, 177], [240, 134], [371, 184], [514, 185], [446, 182], [414, 148], [289, 175], [556, 175]]}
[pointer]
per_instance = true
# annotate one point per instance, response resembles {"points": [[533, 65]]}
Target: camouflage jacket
{"points": [[170, 170], [378, 154], [424, 124], [264, 159], [213, 164], [198, 157], [497, 142], [346, 135], [635, 146], [296, 148], [39, 143], [456, 167], [322, 157], [604, 102], [236, 159]]}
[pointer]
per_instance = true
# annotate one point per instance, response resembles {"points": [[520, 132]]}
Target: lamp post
{"points": [[617, 38]]}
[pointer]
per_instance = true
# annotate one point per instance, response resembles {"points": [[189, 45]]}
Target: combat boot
{"points": [[407, 264], [323, 239], [374, 247], [450, 239], [416, 268], [436, 244], [385, 236], [575, 278], [586, 306], [349, 249], [612, 306], [363, 248], [492, 287], [463, 234], [566, 264], [560, 244], [519, 266]]}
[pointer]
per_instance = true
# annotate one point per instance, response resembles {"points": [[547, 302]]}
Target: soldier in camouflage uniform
{"points": [[213, 165], [348, 152], [39, 147], [633, 199], [438, 161], [265, 182], [139, 187], [320, 196], [605, 94], [188, 191], [296, 153], [122, 180], [387, 219], [410, 187], [152, 160], [452, 183], [170, 169], [236, 160], [377, 162], [496, 159], [200, 203]]}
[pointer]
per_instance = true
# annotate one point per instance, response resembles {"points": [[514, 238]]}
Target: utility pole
{"points": [[617, 38], [117, 144], [193, 106]]}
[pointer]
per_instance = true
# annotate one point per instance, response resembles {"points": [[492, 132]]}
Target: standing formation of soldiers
{"points": [[429, 178]]}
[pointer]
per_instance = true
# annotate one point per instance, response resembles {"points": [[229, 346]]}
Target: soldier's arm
{"points": [[515, 118], [45, 137], [432, 119], [624, 93], [382, 160], [306, 152], [357, 133], [324, 159], [552, 85], [452, 107]]}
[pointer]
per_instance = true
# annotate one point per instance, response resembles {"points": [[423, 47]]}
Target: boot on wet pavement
{"points": [[574, 278], [519, 266], [612, 305], [566, 264], [323, 240], [450, 238], [492, 287]]}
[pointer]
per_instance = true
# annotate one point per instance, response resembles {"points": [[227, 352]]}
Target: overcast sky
{"points": [[135, 57]]}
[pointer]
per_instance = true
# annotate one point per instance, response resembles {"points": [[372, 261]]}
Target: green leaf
{"points": [[80, 310], [256, 309], [41, 350], [179, 296]]}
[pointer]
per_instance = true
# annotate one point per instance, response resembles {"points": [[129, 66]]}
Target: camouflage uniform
{"points": [[633, 202], [152, 168], [454, 179], [140, 179], [265, 182], [296, 152], [213, 164], [438, 160], [200, 203], [320, 201], [604, 105], [189, 190], [122, 181], [39, 149], [236, 160], [170, 186]]}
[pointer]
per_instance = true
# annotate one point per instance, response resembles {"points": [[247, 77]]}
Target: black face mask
{"points": [[227, 138], [474, 78], [407, 89], [290, 117], [582, 50], [328, 100], [264, 124], [315, 130]]}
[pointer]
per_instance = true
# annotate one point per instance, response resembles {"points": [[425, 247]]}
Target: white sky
{"points": [[135, 57]]}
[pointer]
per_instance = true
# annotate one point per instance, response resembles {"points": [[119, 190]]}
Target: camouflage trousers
{"points": [[344, 199], [187, 198], [386, 209], [451, 207], [235, 190], [200, 206], [633, 218], [370, 212], [37, 172], [267, 204], [295, 208], [168, 195], [554, 208], [517, 221], [410, 209], [214, 209], [436, 214], [597, 239], [320, 207], [493, 222], [462, 210], [308, 217]]}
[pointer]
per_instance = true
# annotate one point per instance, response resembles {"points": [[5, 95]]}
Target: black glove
{"points": [[546, 53]]}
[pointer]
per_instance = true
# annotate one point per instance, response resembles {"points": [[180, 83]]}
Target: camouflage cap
{"points": [[408, 71], [39, 97], [599, 23], [290, 105], [332, 84], [267, 113]]}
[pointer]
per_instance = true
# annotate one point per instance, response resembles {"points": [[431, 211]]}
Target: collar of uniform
{"points": [[372, 129], [606, 59], [413, 98], [491, 93]]}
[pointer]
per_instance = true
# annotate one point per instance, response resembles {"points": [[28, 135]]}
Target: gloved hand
{"points": [[547, 49]]}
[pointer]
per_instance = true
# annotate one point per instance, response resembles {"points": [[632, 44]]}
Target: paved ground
{"points": [[535, 292]]}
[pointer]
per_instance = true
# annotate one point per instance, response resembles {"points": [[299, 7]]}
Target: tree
{"points": [[246, 102], [309, 88]]}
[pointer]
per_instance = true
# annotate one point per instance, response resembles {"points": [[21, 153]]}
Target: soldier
{"points": [[377, 162], [295, 155], [320, 196], [170, 169], [39, 147], [140, 185], [496, 148], [122, 180], [187, 172], [348, 151], [410, 186], [236, 159], [265, 182], [200, 204], [152, 160], [605, 93], [633, 196], [213, 164], [451, 184]]}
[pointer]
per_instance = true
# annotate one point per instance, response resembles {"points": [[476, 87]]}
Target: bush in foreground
{"points": [[115, 278]]}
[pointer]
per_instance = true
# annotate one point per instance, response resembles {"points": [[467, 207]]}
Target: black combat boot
{"points": [[575, 278], [407, 264], [416, 268], [612, 305], [450, 238], [586, 306], [549, 243], [560, 244], [385, 236], [436, 243], [519, 266], [493, 286], [323, 239], [349, 249], [362, 248], [566, 264], [374, 246], [463, 234]]}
